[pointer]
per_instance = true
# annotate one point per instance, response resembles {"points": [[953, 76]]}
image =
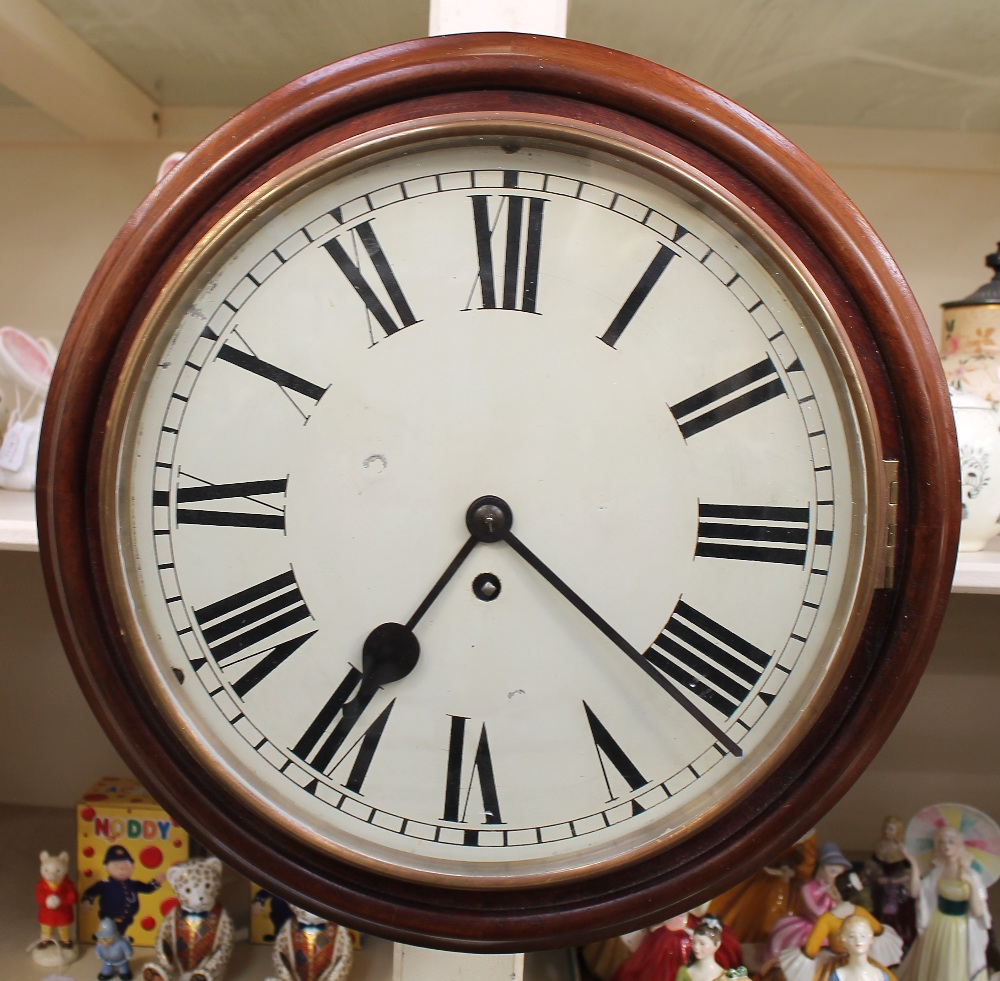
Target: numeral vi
{"points": [[460, 779]]}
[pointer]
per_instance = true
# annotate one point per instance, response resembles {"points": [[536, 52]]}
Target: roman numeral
{"points": [[520, 252], [609, 750], [370, 246], [707, 659], [456, 805], [267, 514], [235, 628], [292, 386], [635, 299], [329, 731], [753, 386], [753, 533], [285, 380]]}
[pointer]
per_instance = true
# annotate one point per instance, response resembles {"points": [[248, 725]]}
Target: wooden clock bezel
{"points": [[438, 76]]}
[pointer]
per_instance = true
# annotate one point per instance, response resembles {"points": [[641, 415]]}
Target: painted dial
{"points": [[496, 505]]}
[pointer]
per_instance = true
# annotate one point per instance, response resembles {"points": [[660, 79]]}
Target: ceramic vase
{"points": [[970, 341], [977, 424]]}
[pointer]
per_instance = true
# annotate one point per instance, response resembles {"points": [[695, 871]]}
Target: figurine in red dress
{"points": [[661, 954]]}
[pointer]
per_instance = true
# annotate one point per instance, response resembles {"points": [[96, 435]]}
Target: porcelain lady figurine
{"points": [[753, 907], [816, 898], [953, 919], [664, 950], [705, 943], [888, 873], [662, 953], [823, 948], [854, 964]]}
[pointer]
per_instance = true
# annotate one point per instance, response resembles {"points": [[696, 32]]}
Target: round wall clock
{"points": [[496, 489]]}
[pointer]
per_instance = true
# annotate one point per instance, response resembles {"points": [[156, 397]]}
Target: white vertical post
{"points": [[520, 16], [421, 964], [466, 17]]}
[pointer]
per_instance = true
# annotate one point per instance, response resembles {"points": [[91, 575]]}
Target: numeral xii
{"points": [[520, 249]]}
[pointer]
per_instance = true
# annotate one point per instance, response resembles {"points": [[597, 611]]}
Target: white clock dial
{"points": [[659, 410]]}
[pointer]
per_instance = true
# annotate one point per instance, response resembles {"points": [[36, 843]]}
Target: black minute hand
{"points": [[618, 640]]}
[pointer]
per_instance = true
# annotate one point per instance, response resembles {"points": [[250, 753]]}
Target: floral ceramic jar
{"points": [[976, 423], [970, 343]]}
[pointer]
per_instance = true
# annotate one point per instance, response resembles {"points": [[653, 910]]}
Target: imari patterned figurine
{"points": [[310, 948], [196, 939]]}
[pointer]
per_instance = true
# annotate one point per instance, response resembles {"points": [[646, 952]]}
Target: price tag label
{"points": [[15, 446]]}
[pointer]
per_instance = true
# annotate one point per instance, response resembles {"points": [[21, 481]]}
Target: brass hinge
{"points": [[890, 470]]}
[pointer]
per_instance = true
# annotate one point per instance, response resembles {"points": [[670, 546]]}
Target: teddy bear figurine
{"points": [[56, 897], [195, 940], [311, 948]]}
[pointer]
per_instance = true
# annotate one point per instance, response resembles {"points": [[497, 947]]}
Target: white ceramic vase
{"points": [[978, 428]]}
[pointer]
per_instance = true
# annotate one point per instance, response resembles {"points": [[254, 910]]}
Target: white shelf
{"points": [[18, 530], [977, 572]]}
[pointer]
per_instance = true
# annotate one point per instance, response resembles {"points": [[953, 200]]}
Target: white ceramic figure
{"points": [[953, 917], [703, 966], [25, 372], [195, 940], [310, 948], [856, 937]]}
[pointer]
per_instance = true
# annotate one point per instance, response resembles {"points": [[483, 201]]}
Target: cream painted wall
{"points": [[933, 199], [61, 205]]}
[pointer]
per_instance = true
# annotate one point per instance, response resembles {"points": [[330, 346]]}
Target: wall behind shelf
{"points": [[931, 197], [946, 745], [51, 747]]}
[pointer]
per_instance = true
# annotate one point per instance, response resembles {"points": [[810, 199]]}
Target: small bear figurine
{"points": [[310, 948], [55, 895], [195, 940]]}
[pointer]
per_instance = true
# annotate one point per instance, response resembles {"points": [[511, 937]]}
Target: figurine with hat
{"points": [[113, 950], [117, 896], [817, 897]]}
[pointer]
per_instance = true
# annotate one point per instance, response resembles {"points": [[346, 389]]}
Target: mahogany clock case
{"points": [[552, 79]]}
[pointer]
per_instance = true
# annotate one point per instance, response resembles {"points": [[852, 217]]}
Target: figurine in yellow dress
{"points": [[953, 919], [824, 948], [856, 937], [751, 908]]}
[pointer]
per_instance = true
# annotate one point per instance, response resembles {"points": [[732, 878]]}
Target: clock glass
{"points": [[493, 497]]}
